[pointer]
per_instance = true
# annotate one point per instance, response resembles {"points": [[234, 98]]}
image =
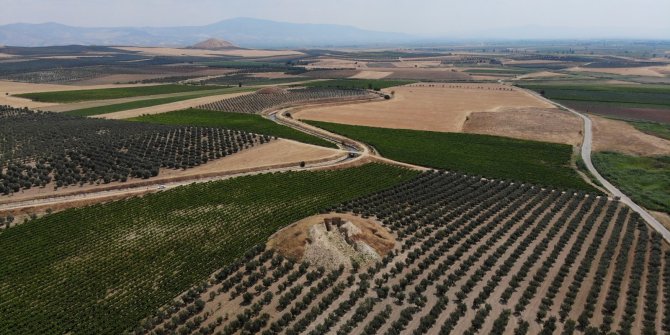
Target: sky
{"points": [[462, 18]]}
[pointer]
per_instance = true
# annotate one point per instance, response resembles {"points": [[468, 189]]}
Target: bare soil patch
{"points": [[371, 75], [439, 107], [541, 74], [312, 239], [663, 218], [548, 125], [619, 136]]}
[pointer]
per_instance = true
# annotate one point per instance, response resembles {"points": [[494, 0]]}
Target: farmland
{"points": [[641, 102], [260, 101], [76, 282], [476, 256], [489, 156], [112, 93], [106, 109], [175, 191], [42, 149], [652, 128], [425, 106], [645, 179], [244, 122], [359, 83]]}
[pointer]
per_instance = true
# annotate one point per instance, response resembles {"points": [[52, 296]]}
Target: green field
{"points": [[247, 122], [490, 156], [651, 96], [645, 179], [373, 84], [101, 269], [661, 130], [112, 93], [151, 102]]}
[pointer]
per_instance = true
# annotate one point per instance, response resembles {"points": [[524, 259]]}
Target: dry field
{"points": [[649, 71], [541, 258], [548, 125], [619, 136], [371, 75], [276, 153], [210, 53], [427, 74], [334, 63], [444, 107], [541, 74]]}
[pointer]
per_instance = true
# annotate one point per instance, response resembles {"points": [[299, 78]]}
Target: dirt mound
{"points": [[271, 90], [214, 44], [333, 240]]}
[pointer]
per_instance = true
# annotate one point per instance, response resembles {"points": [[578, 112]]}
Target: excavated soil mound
{"points": [[332, 240]]}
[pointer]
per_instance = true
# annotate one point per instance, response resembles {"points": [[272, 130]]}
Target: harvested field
{"points": [[333, 63], [331, 74], [541, 74], [427, 74], [292, 241], [179, 105], [649, 71], [443, 107], [209, 53], [547, 125], [497, 254], [619, 136], [371, 75]]}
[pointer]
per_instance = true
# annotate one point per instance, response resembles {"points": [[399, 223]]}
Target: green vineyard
{"points": [[100, 269]]}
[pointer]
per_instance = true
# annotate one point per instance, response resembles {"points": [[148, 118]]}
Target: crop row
{"points": [[258, 102]]}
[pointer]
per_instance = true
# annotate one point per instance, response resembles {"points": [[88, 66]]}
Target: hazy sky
{"points": [[428, 17]]}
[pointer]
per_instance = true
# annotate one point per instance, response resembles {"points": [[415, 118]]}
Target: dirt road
{"points": [[587, 144]]}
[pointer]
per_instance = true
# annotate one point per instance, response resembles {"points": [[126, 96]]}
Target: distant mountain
{"points": [[213, 44], [245, 32]]}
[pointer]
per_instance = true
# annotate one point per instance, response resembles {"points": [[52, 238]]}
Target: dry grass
{"points": [[426, 108], [619, 136], [548, 125], [648, 71], [334, 63], [371, 75]]}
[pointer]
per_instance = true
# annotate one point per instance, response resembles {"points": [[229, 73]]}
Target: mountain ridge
{"points": [[244, 32]]}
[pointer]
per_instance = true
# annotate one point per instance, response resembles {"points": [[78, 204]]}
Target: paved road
{"points": [[586, 157]]}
